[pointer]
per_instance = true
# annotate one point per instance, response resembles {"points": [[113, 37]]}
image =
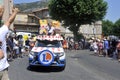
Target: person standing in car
{"points": [[50, 29]]}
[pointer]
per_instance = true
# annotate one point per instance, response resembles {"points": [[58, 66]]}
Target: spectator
{"points": [[27, 44], [113, 46], [15, 48], [3, 32], [10, 48], [31, 43], [95, 47], [118, 50], [100, 48], [20, 45], [106, 46], [65, 44]]}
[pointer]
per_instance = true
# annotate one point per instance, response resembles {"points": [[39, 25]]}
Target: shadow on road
{"points": [[44, 69]]}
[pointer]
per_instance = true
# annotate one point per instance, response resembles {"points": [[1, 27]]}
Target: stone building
{"points": [[25, 22], [42, 13], [93, 30]]}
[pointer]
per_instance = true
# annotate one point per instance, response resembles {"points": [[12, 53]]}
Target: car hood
{"points": [[54, 50]]}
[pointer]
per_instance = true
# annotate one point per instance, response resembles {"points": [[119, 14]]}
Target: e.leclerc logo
{"points": [[46, 57]]}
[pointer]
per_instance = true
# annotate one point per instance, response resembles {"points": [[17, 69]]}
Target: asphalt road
{"points": [[81, 65]]}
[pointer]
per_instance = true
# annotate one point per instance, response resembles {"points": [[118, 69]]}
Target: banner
{"points": [[56, 24], [43, 25]]}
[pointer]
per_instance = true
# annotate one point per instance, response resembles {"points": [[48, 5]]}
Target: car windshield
{"points": [[47, 43]]}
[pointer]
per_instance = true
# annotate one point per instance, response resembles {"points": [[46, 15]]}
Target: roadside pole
{"points": [[8, 6]]}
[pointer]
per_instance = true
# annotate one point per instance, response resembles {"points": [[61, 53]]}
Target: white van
{"points": [[24, 34]]}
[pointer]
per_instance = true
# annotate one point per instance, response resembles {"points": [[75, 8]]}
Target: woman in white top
{"points": [[95, 46]]}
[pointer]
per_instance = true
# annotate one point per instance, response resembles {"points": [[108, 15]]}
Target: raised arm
{"points": [[1, 52], [12, 17]]}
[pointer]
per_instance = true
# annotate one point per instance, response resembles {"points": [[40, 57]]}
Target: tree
{"points": [[116, 28], [77, 12], [107, 27]]}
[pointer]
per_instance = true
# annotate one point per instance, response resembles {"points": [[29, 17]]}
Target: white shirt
{"points": [[3, 62], [50, 30], [95, 45]]}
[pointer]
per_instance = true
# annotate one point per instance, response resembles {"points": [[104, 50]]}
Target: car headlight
{"points": [[59, 54], [32, 53]]}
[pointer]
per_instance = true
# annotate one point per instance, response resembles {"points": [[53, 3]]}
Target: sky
{"points": [[24, 1], [113, 12]]}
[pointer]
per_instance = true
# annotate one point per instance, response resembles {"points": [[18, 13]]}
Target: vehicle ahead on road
{"points": [[48, 51]]}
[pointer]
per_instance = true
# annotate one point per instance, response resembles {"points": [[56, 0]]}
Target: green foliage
{"points": [[107, 27], [76, 12], [116, 28]]}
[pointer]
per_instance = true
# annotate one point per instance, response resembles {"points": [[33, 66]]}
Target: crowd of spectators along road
{"points": [[70, 44], [17, 47], [109, 48]]}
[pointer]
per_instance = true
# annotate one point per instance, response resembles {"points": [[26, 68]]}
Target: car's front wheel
{"points": [[62, 68]]}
